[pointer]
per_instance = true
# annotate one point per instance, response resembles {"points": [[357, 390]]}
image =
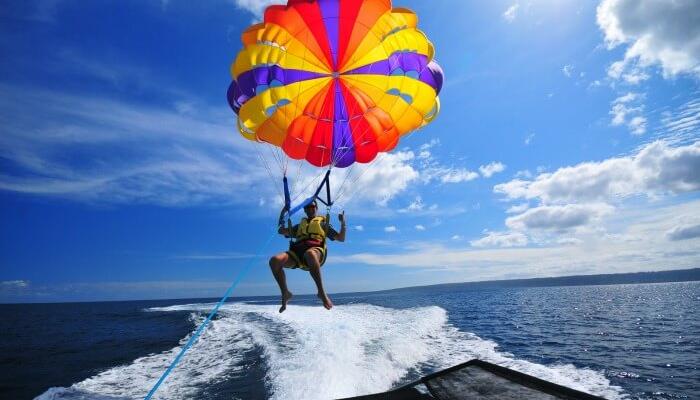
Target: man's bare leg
{"points": [[312, 261], [277, 264]]}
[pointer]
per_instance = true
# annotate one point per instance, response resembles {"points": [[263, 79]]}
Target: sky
{"points": [[568, 142]]}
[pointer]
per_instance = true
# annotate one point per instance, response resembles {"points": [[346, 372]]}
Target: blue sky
{"points": [[568, 143]]}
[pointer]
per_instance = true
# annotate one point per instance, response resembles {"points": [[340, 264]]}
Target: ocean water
{"points": [[619, 342]]}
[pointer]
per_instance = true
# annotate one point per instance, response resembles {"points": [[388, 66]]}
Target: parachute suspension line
{"points": [[348, 172], [298, 174], [352, 184], [315, 181], [275, 155], [264, 162], [211, 316]]}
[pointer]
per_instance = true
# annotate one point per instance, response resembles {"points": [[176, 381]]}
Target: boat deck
{"points": [[480, 380]]}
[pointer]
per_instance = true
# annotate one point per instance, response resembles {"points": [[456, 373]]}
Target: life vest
{"points": [[312, 230]]}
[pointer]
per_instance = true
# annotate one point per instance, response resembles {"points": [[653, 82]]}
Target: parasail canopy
{"points": [[334, 82]]}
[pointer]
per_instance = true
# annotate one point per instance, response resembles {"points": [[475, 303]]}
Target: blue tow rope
{"points": [[235, 283], [211, 315]]}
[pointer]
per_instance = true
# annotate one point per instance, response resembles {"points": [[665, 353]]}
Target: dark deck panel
{"points": [[480, 380]]}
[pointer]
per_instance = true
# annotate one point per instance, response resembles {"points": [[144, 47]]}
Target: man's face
{"points": [[310, 210]]}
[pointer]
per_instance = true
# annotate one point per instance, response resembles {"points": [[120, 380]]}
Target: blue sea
{"points": [[620, 342]]}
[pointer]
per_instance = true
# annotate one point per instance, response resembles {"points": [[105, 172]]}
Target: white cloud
{"points": [[656, 32], [457, 175], [636, 242], [560, 217], [683, 124], [491, 168], [525, 173], [638, 125], [390, 228], [684, 232], [626, 110], [429, 145], [257, 7], [420, 227], [359, 228], [510, 14], [518, 208], [656, 169], [501, 239], [529, 138], [16, 284], [569, 241], [385, 178], [632, 75], [416, 205], [568, 70], [96, 149], [456, 237]]}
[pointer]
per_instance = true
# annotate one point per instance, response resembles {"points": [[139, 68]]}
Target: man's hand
{"points": [[280, 221], [341, 217]]}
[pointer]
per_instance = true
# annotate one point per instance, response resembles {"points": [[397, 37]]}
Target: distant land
{"points": [[679, 275]]}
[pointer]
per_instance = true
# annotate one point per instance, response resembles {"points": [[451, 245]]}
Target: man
{"points": [[308, 251]]}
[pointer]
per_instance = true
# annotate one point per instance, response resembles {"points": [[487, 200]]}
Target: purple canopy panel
{"points": [[343, 148], [330, 12]]}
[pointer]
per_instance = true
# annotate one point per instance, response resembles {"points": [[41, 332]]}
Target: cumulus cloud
{"points": [[657, 168], [383, 179], [656, 32], [635, 242], [420, 227], [518, 208], [359, 228], [512, 12], [559, 217], [684, 232], [390, 228], [431, 170], [501, 239], [491, 168], [626, 110]]}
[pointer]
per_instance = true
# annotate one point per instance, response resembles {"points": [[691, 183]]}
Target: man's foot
{"points": [[285, 299], [326, 300]]}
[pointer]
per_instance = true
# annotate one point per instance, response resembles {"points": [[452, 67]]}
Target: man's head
{"points": [[310, 209]]}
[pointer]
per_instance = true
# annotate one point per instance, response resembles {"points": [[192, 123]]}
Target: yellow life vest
{"points": [[312, 229]]}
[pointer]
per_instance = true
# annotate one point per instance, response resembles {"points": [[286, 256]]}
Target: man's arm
{"points": [[341, 235], [283, 230]]}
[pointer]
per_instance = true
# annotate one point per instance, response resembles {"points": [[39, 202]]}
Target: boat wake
{"points": [[310, 353]]}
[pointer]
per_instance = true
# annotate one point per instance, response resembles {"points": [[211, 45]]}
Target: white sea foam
{"points": [[311, 353]]}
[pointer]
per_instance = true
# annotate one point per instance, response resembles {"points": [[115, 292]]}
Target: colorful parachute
{"points": [[334, 81]]}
